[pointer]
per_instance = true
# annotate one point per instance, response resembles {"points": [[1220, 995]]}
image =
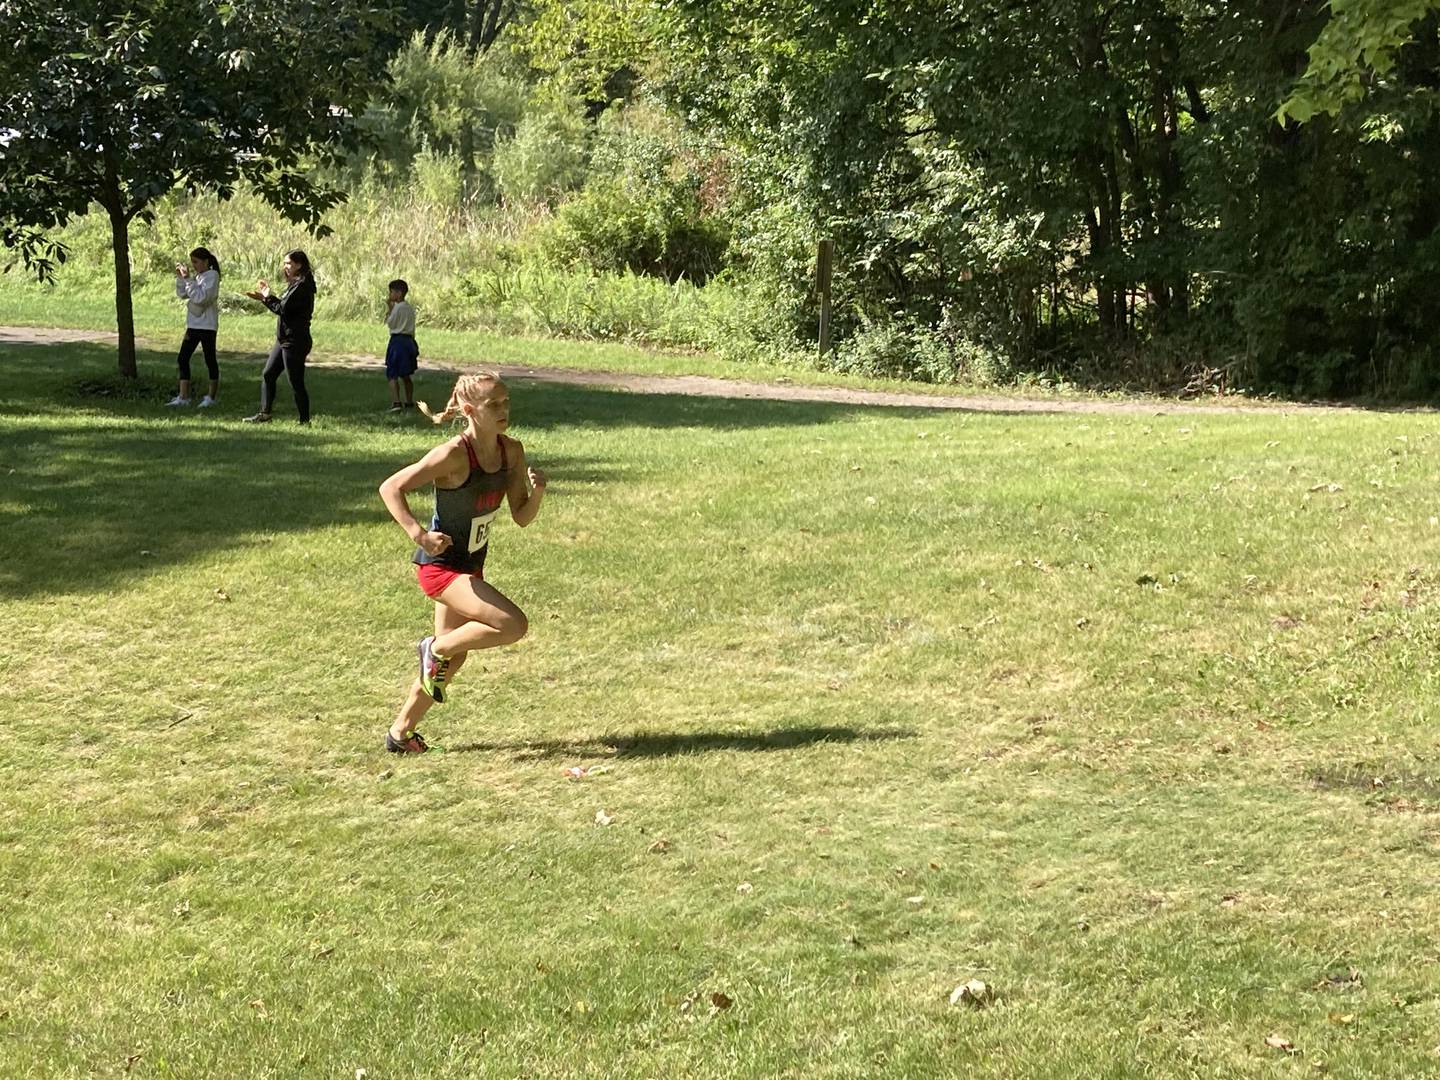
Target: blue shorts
{"points": [[401, 356]]}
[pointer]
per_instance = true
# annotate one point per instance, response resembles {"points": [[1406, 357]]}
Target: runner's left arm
{"points": [[527, 488]]}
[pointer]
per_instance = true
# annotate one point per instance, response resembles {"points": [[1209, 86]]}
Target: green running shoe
{"points": [[432, 669]]}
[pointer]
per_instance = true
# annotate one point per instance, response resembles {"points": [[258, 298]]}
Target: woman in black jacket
{"points": [[293, 309]]}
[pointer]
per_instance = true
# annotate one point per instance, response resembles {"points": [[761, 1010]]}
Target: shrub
{"points": [[447, 100], [904, 350], [438, 180], [545, 157]]}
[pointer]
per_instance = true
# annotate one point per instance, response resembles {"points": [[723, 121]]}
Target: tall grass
{"points": [[470, 267]]}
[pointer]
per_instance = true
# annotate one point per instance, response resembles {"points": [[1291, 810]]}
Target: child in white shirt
{"points": [[402, 354]]}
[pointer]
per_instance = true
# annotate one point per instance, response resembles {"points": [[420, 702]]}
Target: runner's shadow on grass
{"points": [[653, 744]]}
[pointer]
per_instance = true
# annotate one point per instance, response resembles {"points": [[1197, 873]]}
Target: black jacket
{"points": [[294, 306]]}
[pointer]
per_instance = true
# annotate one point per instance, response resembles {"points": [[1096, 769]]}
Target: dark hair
{"points": [[398, 285], [205, 253], [299, 257]]}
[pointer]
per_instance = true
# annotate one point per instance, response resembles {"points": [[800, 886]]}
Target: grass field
{"points": [[1129, 717]]}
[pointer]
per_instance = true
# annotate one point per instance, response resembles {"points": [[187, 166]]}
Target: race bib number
{"points": [[480, 530]]}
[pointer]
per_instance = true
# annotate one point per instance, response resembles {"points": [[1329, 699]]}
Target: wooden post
{"points": [[823, 260]]}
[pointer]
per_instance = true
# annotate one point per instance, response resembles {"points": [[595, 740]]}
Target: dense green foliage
{"points": [[1147, 192], [1064, 179], [1358, 48]]}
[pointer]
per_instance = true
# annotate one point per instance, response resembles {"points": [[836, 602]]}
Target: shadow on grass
{"points": [[99, 481], [673, 744]]}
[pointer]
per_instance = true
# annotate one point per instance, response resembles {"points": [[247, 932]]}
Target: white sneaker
{"points": [[207, 401], [177, 401]]}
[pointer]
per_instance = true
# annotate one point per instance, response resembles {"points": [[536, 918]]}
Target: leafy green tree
{"points": [[1359, 45], [1050, 178], [446, 99], [596, 49], [118, 105]]}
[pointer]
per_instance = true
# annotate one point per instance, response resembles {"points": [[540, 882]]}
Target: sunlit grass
{"points": [[1129, 717]]}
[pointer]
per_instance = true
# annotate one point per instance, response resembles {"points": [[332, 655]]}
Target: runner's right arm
{"points": [[438, 466]]}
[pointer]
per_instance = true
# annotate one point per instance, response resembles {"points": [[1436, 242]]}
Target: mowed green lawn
{"points": [[1130, 717]]}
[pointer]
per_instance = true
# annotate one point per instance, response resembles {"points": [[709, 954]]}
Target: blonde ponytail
{"points": [[468, 388], [444, 414]]}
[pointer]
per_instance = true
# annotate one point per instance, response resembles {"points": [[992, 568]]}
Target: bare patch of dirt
{"points": [[34, 335]]}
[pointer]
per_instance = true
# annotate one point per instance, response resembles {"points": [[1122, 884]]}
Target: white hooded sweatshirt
{"points": [[201, 292]]}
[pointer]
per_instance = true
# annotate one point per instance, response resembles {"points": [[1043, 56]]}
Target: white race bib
{"points": [[480, 531]]}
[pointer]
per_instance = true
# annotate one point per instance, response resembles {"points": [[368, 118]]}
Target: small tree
{"points": [[119, 105]]}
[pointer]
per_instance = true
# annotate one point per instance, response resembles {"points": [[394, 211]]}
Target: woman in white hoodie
{"points": [[201, 294]]}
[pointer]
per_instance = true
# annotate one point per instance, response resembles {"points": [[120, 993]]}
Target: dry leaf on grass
{"points": [[579, 772], [744, 888], [1329, 489], [660, 847], [1342, 1018], [719, 1001], [915, 901], [973, 993], [602, 818], [221, 594], [1279, 1042]]}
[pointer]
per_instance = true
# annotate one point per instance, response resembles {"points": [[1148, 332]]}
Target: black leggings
{"points": [[206, 340], [289, 355]]}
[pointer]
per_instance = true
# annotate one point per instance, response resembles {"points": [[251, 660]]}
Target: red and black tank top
{"points": [[464, 513]]}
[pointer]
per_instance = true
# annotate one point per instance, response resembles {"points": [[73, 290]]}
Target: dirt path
{"points": [[708, 386], [32, 335]]}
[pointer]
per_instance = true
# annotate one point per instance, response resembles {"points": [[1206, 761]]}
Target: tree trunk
{"points": [[1105, 294], [124, 305], [1106, 223], [487, 18], [113, 200]]}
